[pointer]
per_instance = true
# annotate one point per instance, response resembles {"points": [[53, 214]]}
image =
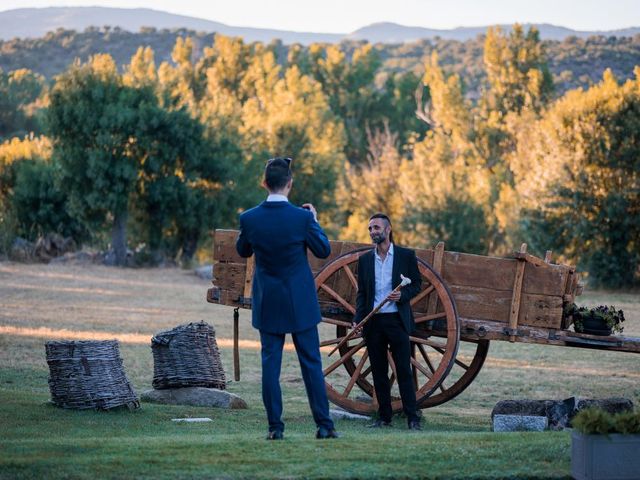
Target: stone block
{"points": [[519, 423], [559, 412], [340, 414], [195, 396]]}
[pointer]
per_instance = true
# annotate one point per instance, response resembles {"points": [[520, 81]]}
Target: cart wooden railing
{"points": [[466, 301]]}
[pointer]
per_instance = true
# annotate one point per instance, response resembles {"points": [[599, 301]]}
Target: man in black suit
{"points": [[378, 274]]}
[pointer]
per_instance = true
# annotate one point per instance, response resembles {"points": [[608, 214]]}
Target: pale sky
{"points": [[345, 16]]}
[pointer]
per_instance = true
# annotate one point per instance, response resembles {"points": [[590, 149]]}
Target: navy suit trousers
{"points": [[307, 345]]}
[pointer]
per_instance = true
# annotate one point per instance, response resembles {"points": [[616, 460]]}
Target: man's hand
{"points": [[394, 296], [312, 209], [358, 330]]}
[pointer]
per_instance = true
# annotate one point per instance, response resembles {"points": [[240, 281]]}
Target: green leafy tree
{"points": [[19, 94], [180, 183], [350, 89], [32, 204], [517, 71], [92, 119], [446, 183], [185, 170], [375, 186], [518, 88], [579, 180], [289, 115]]}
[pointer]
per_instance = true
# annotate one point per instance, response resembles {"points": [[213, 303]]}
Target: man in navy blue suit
{"points": [[284, 298]]}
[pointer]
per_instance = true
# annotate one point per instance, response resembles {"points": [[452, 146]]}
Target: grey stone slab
{"points": [[519, 423], [340, 414], [196, 396], [559, 412], [192, 420]]}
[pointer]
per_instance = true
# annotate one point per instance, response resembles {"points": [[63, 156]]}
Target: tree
{"points": [[446, 183], [350, 90], [32, 204], [373, 187], [19, 92], [92, 119], [289, 115], [518, 88], [579, 180], [184, 186], [517, 71]]}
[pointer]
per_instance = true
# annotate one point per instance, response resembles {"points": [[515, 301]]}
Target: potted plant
{"points": [[600, 320], [605, 446]]}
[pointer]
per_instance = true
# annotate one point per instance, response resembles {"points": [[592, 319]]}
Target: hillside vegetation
{"points": [[480, 144], [574, 62]]}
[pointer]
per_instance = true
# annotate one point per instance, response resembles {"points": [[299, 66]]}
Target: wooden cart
{"points": [[466, 301]]}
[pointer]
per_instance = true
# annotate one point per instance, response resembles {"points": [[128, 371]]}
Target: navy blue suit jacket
{"points": [[284, 298], [405, 263]]}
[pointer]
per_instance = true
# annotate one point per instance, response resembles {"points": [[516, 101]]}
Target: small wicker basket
{"points": [[187, 356]]}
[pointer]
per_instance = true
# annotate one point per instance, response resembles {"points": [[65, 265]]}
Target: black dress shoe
{"points": [[275, 435], [415, 425], [324, 433], [379, 424]]}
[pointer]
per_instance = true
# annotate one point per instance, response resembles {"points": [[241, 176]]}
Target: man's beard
{"points": [[378, 238]]}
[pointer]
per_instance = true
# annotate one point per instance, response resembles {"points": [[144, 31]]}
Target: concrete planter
{"points": [[605, 457]]}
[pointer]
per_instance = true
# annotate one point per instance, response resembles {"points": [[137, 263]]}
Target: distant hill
{"points": [[36, 22], [394, 33]]}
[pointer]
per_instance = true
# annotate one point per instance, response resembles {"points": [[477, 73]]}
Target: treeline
{"points": [[154, 155], [573, 62]]}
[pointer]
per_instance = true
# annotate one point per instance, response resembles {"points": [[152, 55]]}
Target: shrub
{"points": [[595, 421]]}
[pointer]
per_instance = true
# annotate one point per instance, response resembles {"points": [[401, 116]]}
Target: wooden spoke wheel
{"points": [[469, 360], [434, 344]]}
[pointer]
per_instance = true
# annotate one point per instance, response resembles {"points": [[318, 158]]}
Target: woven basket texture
{"points": [[187, 356], [88, 374]]}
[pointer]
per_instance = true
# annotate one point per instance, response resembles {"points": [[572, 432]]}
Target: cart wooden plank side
{"points": [[466, 301]]}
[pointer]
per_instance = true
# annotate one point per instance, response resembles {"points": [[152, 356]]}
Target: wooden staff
{"points": [[405, 281]]}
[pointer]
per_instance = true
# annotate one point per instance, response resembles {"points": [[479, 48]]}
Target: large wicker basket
{"points": [[88, 375], [187, 356]]}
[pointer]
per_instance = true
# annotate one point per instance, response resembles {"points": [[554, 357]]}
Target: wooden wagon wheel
{"points": [[432, 357], [462, 373]]}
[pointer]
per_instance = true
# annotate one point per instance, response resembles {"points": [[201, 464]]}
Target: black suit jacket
{"points": [[405, 263]]}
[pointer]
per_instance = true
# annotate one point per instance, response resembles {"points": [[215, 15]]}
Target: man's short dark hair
{"points": [[385, 218], [277, 173]]}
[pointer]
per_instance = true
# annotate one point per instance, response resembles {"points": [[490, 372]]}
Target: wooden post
{"points": [[248, 283], [248, 276], [438, 262], [517, 294], [236, 348]]}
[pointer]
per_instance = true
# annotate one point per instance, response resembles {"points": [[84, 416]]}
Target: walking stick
{"points": [[405, 281]]}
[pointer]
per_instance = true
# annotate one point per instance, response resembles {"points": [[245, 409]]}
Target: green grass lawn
{"points": [[42, 441]]}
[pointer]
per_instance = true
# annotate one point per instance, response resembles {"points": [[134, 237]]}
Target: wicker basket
{"points": [[187, 356], [88, 374]]}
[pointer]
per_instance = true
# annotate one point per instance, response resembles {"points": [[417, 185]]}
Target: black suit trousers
{"points": [[386, 330]]}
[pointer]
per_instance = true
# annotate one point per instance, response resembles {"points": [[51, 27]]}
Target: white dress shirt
{"points": [[383, 272], [277, 197]]}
